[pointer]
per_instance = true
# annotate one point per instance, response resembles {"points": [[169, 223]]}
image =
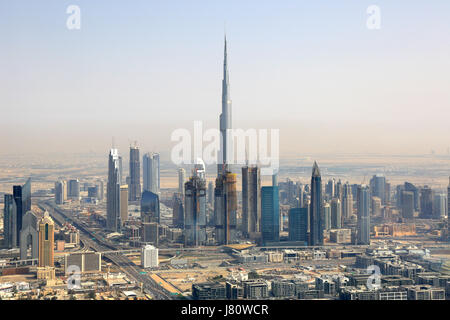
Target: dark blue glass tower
{"points": [[150, 207], [316, 214], [298, 225], [270, 214], [22, 197]]}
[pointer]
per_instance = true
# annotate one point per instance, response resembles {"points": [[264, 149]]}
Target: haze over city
{"points": [[310, 68]]}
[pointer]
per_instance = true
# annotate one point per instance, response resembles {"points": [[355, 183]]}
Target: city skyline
{"points": [[341, 202]]}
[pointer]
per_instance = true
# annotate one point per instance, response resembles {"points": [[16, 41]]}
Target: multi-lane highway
{"points": [[95, 243]]}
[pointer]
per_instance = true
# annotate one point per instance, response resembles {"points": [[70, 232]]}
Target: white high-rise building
{"points": [[151, 172], [113, 221], [149, 256]]}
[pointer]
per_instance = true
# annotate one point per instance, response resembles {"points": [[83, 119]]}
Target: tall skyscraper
{"points": [[93, 192], [100, 188], [330, 188], [73, 189], [326, 216], [290, 190], [150, 211], [448, 209], [134, 188], [146, 171], [316, 222], [65, 190], [338, 190], [151, 172], [59, 192], [121, 170], [407, 204], [347, 201], [22, 198], [336, 214], [124, 203], [426, 203], [29, 236], [439, 206], [210, 193], [46, 241], [298, 225], [113, 221], [378, 187], [195, 207], [225, 207], [9, 222], [178, 210], [225, 118], [225, 194], [376, 207], [398, 195], [301, 196], [270, 214], [363, 205], [410, 187], [150, 232], [181, 180], [251, 201], [387, 194], [275, 180]]}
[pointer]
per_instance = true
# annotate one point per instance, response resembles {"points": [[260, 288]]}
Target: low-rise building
{"points": [[209, 291], [255, 289], [341, 235], [425, 292]]}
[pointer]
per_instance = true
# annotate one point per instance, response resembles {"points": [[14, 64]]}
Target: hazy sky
{"points": [[137, 70]]}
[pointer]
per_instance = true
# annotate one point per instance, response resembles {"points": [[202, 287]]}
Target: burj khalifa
{"points": [[225, 119], [225, 194]]}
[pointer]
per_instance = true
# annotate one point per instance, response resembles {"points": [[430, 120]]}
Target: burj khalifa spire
{"points": [[225, 195], [225, 118]]}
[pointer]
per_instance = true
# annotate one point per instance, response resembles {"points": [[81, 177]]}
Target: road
{"points": [[94, 243]]}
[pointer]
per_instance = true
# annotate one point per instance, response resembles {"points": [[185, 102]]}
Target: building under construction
{"points": [[195, 211], [225, 207]]}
